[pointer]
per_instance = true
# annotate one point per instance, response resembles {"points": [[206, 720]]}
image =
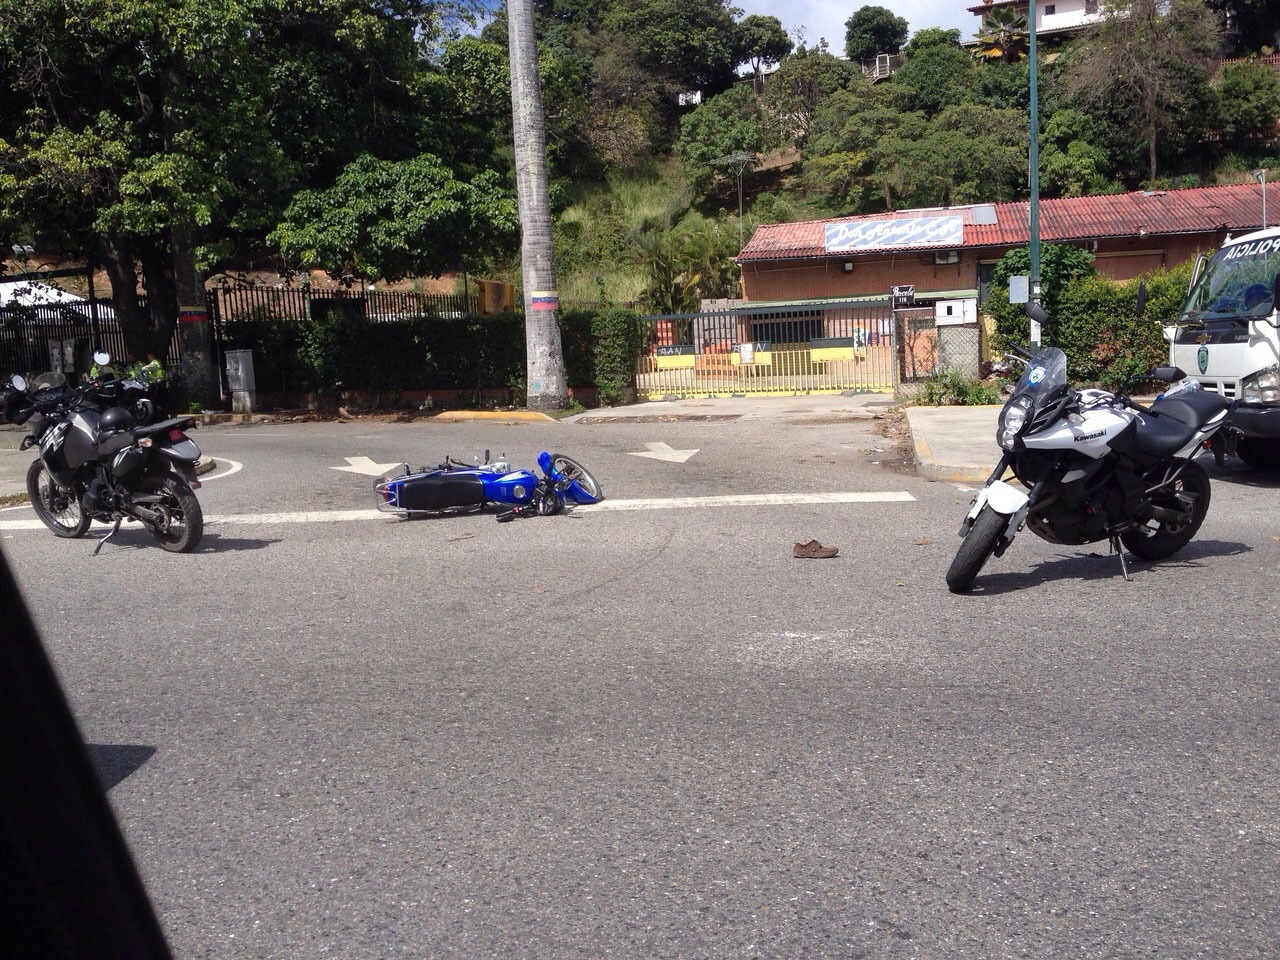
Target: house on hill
{"points": [[1054, 18], [949, 253]]}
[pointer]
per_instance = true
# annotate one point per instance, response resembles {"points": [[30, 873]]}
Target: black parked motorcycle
{"points": [[97, 463]]}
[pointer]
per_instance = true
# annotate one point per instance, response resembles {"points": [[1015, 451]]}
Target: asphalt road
{"points": [[655, 733]]}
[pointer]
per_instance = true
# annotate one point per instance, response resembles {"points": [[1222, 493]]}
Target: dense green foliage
{"points": [[1093, 320], [375, 140], [872, 30]]}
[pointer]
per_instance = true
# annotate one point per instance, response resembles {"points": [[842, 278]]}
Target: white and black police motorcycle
{"points": [[96, 463], [1095, 466]]}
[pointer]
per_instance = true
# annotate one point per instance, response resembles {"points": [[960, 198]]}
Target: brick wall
{"points": [[873, 274]]}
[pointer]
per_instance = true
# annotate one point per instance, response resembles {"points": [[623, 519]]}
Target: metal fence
{"points": [[804, 348], [251, 302], [63, 337]]}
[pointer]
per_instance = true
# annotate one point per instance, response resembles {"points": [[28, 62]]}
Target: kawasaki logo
{"points": [[1202, 358]]}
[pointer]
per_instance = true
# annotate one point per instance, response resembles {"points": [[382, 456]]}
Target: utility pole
{"points": [[1034, 161], [545, 382]]}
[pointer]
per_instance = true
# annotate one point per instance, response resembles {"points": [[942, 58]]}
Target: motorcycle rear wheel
{"points": [[1159, 539], [975, 549], [573, 470], [58, 509], [184, 525]]}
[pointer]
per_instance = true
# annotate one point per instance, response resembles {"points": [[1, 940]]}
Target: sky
{"points": [[826, 18]]}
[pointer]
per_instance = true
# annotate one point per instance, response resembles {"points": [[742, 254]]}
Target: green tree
{"points": [[1072, 161], [931, 37], [794, 91], [690, 43], [144, 131], [938, 76], [1247, 101], [761, 42], [385, 218], [872, 30], [726, 124], [1148, 63]]}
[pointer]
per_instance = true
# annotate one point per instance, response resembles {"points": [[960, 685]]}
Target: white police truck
{"points": [[1228, 338]]}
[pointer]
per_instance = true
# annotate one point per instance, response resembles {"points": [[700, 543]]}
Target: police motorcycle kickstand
{"points": [[114, 530], [1118, 549]]}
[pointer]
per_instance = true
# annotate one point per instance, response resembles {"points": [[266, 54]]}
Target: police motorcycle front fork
{"points": [[1017, 513]]}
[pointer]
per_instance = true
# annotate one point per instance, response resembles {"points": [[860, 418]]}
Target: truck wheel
{"points": [[1259, 452]]}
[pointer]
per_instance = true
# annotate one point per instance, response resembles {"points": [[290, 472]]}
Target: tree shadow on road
{"points": [[1097, 564], [116, 761]]}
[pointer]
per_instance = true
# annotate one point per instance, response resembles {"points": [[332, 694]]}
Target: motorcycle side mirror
{"points": [[1167, 374], [1142, 297], [18, 382], [102, 358]]}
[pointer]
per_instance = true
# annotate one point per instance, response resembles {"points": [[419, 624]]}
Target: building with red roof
{"points": [[949, 252]]}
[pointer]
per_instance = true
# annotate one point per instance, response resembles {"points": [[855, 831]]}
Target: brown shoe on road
{"points": [[813, 550]]}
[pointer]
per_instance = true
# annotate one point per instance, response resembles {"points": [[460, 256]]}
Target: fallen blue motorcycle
{"points": [[457, 486]]}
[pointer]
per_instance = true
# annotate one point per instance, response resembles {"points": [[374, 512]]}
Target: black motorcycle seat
{"points": [[1159, 435], [1194, 408], [162, 427], [441, 490]]}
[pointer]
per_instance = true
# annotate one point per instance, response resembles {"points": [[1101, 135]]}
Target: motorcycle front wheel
{"points": [[974, 550], [183, 524], [58, 509], [1158, 539], [571, 469]]}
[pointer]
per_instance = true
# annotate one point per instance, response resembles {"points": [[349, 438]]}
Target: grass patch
{"points": [[13, 500]]}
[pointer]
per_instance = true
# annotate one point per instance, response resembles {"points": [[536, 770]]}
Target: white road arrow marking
{"points": [[661, 451], [366, 466]]}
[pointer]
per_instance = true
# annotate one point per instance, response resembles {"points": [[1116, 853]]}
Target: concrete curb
{"points": [[941, 470], [509, 415]]}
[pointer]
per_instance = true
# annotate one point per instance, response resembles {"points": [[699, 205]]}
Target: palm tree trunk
{"points": [[545, 383]]}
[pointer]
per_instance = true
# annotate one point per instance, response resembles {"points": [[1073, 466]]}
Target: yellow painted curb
{"points": [[528, 415]]}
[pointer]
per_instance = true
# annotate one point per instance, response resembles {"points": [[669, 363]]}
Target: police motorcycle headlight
{"points": [[1013, 420], [1263, 386]]}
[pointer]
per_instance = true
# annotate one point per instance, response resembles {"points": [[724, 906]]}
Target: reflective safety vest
{"points": [[152, 371]]}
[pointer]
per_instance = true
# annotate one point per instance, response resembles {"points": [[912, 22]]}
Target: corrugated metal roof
{"points": [[1194, 210]]}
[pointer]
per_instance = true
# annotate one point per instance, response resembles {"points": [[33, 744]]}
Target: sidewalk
{"points": [[956, 444]]}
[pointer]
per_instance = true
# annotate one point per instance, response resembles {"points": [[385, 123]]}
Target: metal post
{"points": [[1261, 176], [1034, 160]]}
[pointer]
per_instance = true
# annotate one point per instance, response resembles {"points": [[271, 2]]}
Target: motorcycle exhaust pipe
{"points": [[1163, 514]]}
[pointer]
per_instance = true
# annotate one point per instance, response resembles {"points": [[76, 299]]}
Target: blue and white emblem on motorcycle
{"points": [[1202, 358], [1036, 375]]}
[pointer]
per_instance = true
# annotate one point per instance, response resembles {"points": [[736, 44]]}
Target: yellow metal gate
{"points": [[834, 347]]}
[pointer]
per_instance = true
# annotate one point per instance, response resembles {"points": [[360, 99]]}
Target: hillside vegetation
{"points": [[374, 141]]}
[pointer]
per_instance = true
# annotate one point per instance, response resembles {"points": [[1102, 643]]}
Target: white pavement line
{"points": [[670, 503], [751, 500], [236, 467], [305, 516]]}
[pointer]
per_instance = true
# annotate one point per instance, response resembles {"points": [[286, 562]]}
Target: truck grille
{"points": [[1226, 388]]}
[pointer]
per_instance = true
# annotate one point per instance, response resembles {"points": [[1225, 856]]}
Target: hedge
{"points": [[344, 350], [1094, 319]]}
